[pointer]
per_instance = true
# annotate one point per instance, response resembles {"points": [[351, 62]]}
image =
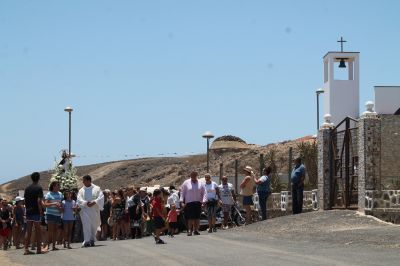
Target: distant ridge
{"points": [[164, 170]]}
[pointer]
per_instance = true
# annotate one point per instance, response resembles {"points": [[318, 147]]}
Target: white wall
{"points": [[387, 99], [341, 97]]}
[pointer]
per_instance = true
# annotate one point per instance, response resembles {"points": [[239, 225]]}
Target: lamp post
{"points": [[318, 92], [69, 111], [208, 135]]}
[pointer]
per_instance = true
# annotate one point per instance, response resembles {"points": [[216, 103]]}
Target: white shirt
{"points": [[226, 193], [88, 194], [211, 190], [263, 178], [129, 202], [92, 193], [174, 199]]}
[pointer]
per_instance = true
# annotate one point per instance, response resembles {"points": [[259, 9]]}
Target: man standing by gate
{"points": [[297, 178]]}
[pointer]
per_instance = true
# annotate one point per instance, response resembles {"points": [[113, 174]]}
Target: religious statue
{"points": [[65, 173]]}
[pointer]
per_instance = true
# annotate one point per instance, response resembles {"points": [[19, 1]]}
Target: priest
{"points": [[90, 200]]}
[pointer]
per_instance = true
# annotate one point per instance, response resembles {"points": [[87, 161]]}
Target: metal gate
{"points": [[344, 165]]}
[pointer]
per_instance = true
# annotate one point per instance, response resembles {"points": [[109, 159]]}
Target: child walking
{"points": [[18, 221], [157, 211], [172, 219], [5, 224], [69, 207]]}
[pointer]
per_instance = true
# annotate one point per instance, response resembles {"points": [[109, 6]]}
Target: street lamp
{"points": [[208, 135], [69, 111], [318, 92]]}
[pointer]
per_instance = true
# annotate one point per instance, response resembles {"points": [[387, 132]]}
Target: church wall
{"points": [[342, 101], [387, 99]]}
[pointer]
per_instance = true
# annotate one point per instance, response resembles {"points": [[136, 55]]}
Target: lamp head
{"points": [[68, 109], [208, 135]]}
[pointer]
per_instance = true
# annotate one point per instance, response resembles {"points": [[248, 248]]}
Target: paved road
{"points": [[259, 244]]}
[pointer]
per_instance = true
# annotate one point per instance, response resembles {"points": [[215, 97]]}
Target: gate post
{"points": [[324, 182], [236, 175], [221, 172], [369, 152]]}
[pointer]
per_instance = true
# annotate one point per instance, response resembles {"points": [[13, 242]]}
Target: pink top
{"points": [[192, 192], [172, 216]]}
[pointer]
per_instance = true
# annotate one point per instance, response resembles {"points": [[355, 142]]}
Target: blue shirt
{"points": [[53, 198], [265, 185], [68, 214], [297, 173]]}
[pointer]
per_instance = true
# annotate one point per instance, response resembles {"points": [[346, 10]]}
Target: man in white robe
{"points": [[91, 201]]}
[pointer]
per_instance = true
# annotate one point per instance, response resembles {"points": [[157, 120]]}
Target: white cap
{"points": [[19, 199]]}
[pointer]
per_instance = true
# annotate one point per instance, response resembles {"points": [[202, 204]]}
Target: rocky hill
{"points": [[172, 170]]}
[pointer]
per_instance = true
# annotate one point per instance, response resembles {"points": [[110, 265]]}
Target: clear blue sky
{"points": [[149, 77]]}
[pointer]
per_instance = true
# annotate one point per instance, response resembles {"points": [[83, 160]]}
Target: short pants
{"points": [[226, 207], [193, 210], [212, 209], [248, 200], [158, 222], [53, 219], [33, 218]]}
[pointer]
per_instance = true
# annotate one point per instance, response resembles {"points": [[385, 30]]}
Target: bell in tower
{"points": [[341, 84]]}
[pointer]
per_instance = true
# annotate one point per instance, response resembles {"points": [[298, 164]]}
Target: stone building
{"points": [[228, 143]]}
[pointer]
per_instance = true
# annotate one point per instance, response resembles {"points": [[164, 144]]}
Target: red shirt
{"points": [[156, 205], [172, 216]]}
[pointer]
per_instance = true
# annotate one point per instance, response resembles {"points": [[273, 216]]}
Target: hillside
{"points": [[169, 170]]}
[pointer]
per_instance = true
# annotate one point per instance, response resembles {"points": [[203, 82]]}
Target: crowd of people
{"points": [[46, 222]]}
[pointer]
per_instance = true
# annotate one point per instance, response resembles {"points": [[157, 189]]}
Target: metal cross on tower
{"points": [[341, 43]]}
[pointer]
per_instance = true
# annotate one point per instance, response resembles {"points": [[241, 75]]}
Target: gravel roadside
{"points": [[334, 227]]}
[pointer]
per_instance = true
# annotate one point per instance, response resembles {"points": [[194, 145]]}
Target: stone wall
{"points": [[324, 188], [369, 130], [280, 204], [376, 199], [390, 152], [310, 200], [383, 204], [378, 166], [379, 155]]}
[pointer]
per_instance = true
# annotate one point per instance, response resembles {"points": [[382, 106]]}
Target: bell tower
{"points": [[341, 84]]}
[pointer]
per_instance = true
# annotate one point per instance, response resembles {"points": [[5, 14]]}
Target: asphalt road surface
{"points": [[318, 238]]}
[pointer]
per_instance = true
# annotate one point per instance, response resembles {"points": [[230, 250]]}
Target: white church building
{"points": [[342, 88], [358, 151]]}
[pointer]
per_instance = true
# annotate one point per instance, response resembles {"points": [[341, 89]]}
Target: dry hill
{"points": [[172, 170]]}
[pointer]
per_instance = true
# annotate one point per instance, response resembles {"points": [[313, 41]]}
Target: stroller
{"points": [[237, 216]]}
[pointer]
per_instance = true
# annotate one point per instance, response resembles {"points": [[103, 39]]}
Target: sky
{"points": [[148, 78]]}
